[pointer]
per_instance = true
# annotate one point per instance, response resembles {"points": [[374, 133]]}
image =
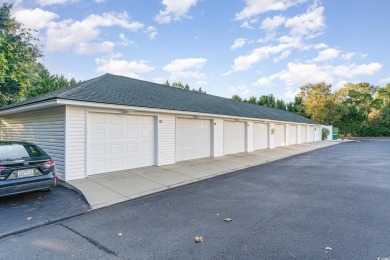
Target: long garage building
{"points": [[113, 123]]}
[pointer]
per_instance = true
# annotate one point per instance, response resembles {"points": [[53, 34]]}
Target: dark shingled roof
{"points": [[119, 90]]}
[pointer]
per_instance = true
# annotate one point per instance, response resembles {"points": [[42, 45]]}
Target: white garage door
{"points": [[193, 139], [119, 142], [234, 137], [311, 134], [260, 136], [292, 133], [303, 134], [280, 135]]}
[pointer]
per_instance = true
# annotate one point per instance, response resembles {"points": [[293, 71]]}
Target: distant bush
{"points": [[325, 133]]}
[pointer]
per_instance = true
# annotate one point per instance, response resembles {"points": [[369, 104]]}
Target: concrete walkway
{"points": [[110, 188]]}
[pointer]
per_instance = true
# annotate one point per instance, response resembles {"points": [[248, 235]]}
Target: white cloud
{"points": [[320, 46], [385, 80], [348, 55], [271, 24], [186, 68], [78, 35], [353, 70], [94, 47], [282, 56], [298, 74], [243, 91], [238, 43], [54, 2], [309, 23], [245, 62], [152, 32], [100, 1], [122, 67], [255, 7], [263, 82], [35, 18], [124, 41], [340, 84], [174, 10], [327, 54]]}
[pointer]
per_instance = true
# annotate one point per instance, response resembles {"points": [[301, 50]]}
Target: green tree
{"points": [[237, 97], [319, 102], [185, 87], [383, 94], [297, 106], [280, 104], [19, 52], [43, 82], [267, 100], [252, 100]]}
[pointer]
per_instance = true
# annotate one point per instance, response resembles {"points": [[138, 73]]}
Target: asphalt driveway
{"points": [[331, 203], [28, 210]]}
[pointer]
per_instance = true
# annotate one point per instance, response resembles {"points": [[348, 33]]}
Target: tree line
{"points": [[21, 74], [359, 109]]}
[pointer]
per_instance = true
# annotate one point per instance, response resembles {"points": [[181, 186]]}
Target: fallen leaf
{"points": [[120, 234], [228, 219], [198, 239], [29, 218], [328, 248]]}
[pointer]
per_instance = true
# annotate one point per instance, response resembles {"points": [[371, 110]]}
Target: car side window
{"points": [[34, 151]]}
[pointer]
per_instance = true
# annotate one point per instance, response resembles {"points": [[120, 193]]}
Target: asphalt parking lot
{"points": [[28, 210], [331, 203]]}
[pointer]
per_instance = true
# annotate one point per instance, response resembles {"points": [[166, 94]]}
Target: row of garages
{"points": [[86, 141], [119, 142]]}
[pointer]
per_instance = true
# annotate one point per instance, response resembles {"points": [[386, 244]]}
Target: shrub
{"points": [[325, 133]]}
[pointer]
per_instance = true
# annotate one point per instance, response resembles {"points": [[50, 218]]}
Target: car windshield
{"points": [[14, 151]]}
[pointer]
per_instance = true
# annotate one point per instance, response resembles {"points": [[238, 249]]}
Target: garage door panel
{"points": [[280, 135], [260, 136], [193, 138], [234, 139], [119, 142], [292, 135]]}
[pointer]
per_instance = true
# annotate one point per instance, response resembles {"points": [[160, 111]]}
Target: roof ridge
{"points": [[82, 84]]}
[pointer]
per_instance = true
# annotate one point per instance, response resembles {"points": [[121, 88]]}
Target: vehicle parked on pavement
{"points": [[25, 167]]}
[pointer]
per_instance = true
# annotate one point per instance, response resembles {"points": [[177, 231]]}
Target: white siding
{"points": [[166, 139], [249, 137], [260, 136], [75, 142], [217, 148], [303, 134], [45, 127], [271, 134], [311, 134], [318, 133]]}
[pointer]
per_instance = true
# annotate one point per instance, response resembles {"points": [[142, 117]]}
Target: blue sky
{"points": [[244, 47]]}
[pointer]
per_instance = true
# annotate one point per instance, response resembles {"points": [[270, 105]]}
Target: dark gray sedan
{"points": [[25, 167]]}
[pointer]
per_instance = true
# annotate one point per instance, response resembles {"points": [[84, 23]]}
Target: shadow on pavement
{"points": [[24, 211]]}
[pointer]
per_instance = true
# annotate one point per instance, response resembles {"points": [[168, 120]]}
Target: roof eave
{"points": [[126, 108], [30, 107]]}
